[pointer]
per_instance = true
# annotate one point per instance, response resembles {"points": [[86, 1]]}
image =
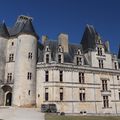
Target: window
{"points": [[46, 76], [118, 77], [78, 52], [60, 49], [46, 94], [81, 78], [38, 95], [79, 61], [104, 85], [29, 76], [30, 55], [119, 95], [115, 64], [61, 76], [82, 94], [12, 43], [105, 102], [29, 92], [59, 59], [9, 77], [100, 63], [47, 49], [11, 57], [99, 51], [61, 94], [47, 58]]}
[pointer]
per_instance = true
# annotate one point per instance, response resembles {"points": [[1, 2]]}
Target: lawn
{"points": [[57, 117]]}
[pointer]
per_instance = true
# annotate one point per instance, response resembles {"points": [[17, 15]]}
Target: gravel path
{"points": [[20, 114]]}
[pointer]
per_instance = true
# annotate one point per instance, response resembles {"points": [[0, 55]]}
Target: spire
{"points": [[3, 30], [89, 38], [119, 52]]}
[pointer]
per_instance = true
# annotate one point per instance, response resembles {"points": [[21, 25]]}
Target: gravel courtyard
{"points": [[12, 113]]}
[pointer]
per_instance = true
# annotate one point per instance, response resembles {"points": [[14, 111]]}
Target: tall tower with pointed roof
{"points": [[25, 64]]}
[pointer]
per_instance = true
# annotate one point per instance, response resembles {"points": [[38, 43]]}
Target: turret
{"points": [[3, 44], [25, 64], [90, 38]]}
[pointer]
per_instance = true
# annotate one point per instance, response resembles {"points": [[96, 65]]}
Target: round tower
{"points": [[3, 44], [24, 93]]}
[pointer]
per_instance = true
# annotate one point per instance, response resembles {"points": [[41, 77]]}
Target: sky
{"points": [[51, 17]]}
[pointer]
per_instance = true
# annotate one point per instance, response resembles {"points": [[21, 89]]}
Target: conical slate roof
{"points": [[28, 28], [3, 30], [23, 25]]}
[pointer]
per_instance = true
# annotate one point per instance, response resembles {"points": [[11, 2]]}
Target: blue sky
{"points": [[52, 17]]}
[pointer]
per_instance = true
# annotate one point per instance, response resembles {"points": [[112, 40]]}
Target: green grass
{"points": [[57, 117]]}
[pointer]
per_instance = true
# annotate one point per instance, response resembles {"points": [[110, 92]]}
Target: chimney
{"points": [[107, 46], [44, 38], [63, 41]]}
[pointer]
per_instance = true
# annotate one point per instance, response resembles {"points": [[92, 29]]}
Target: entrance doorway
{"points": [[8, 99], [7, 95]]}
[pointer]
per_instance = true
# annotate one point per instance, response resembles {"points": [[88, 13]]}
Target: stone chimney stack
{"points": [[107, 45], [44, 38], [63, 41]]}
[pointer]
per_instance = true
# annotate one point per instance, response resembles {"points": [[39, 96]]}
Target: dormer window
{"points": [[98, 41], [60, 49], [47, 55], [47, 58], [99, 51], [115, 64], [59, 58], [47, 49], [79, 60], [78, 52]]}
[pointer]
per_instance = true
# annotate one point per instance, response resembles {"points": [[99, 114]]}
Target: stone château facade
{"points": [[79, 78]]}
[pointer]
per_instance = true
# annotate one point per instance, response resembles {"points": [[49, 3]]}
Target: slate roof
{"points": [[22, 25], [53, 46], [89, 38], [119, 53], [3, 30]]}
